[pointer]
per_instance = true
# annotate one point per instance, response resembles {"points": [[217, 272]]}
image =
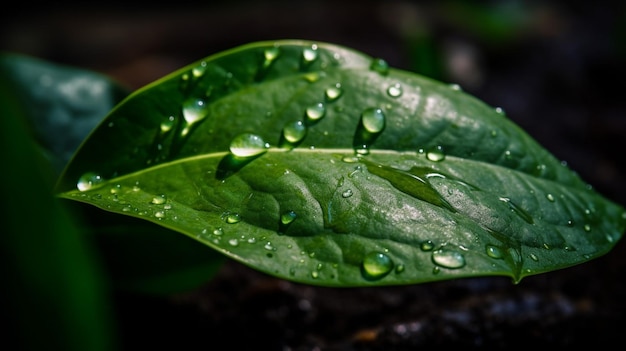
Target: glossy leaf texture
{"points": [[322, 165]]}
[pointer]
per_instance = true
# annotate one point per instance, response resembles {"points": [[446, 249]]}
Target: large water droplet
{"points": [[448, 258], [395, 90], [309, 54], [195, 110], [88, 181], [373, 120], [334, 92], [231, 217], [248, 145], [494, 252], [199, 70], [376, 265], [294, 133], [286, 219], [315, 112], [371, 125], [379, 65], [436, 154], [158, 200], [270, 55]]}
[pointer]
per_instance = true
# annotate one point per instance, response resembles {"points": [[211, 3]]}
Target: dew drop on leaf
{"points": [[373, 120], [371, 125], [376, 265], [247, 145], [270, 55], [494, 252], [436, 154], [395, 90], [167, 124], [294, 132], [309, 54], [88, 181], [231, 217], [400, 268], [286, 219], [379, 65], [334, 92], [427, 245], [158, 200], [198, 71], [448, 258], [194, 110], [315, 112]]}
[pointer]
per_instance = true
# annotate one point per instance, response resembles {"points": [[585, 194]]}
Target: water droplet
{"points": [[550, 197], [248, 145], [88, 181], [294, 132], [533, 257], [379, 65], [231, 217], [346, 194], [587, 227], [376, 265], [159, 214], [400, 268], [312, 77], [167, 124], [218, 231], [334, 92], [372, 124], [494, 252], [195, 110], [286, 219], [270, 55], [315, 112], [310, 54], [448, 258], [373, 120], [158, 200], [455, 87], [268, 246], [427, 245], [499, 110], [315, 274], [436, 154], [395, 90], [198, 71], [233, 242]]}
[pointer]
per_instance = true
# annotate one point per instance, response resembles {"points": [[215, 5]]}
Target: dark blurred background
{"points": [[556, 67]]}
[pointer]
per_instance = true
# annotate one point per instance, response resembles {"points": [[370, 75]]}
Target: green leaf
{"points": [[61, 104], [55, 293], [322, 165]]}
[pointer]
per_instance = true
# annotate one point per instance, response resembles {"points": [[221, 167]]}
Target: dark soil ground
{"points": [[556, 69]]}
